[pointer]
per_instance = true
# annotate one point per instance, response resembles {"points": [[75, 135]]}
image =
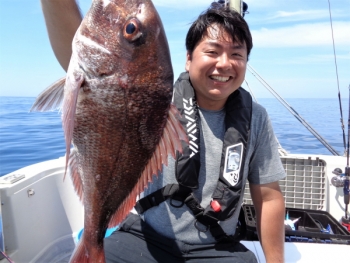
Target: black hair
{"points": [[229, 20]]}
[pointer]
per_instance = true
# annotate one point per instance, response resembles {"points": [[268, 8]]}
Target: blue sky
{"points": [[292, 49]]}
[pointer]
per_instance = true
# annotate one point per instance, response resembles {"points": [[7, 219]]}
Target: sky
{"points": [[293, 48]]}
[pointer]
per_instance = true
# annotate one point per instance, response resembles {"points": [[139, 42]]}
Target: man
{"points": [[197, 221]]}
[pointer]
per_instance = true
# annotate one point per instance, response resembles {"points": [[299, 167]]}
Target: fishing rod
{"points": [[5, 256], [336, 71], [292, 111], [346, 182], [346, 188], [343, 179]]}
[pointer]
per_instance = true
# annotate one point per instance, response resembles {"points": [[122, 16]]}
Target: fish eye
{"points": [[132, 30]]}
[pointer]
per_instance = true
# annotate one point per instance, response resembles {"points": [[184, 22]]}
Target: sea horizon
{"points": [[31, 137]]}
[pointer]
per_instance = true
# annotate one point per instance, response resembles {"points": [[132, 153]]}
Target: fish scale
{"points": [[117, 113]]}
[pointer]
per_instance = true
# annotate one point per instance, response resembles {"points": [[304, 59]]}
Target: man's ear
{"points": [[188, 61]]}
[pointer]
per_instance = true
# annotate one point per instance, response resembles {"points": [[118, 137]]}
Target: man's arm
{"points": [[270, 212], [62, 19]]}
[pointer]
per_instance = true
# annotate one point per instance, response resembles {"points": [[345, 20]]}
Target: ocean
{"points": [[31, 137]]}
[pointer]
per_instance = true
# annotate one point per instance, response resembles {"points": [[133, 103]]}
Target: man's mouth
{"points": [[220, 78]]}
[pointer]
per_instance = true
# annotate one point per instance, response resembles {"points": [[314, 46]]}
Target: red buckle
{"points": [[347, 226], [215, 205]]}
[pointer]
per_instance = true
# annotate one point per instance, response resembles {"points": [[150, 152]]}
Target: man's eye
{"points": [[237, 55], [211, 51]]}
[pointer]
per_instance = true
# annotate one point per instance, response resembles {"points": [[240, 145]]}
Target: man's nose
{"points": [[224, 62]]}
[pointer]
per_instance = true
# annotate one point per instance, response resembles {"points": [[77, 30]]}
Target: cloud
{"points": [[258, 3], [181, 4], [316, 59], [303, 35], [300, 15], [313, 59], [172, 4], [304, 15]]}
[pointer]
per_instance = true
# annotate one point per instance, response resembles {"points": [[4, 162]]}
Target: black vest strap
{"points": [[182, 194], [156, 198]]}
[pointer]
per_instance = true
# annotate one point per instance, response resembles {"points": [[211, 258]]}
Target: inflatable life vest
{"points": [[229, 188]]}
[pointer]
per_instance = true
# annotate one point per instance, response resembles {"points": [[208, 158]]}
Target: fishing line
{"points": [[291, 110], [282, 151], [250, 90], [336, 71]]}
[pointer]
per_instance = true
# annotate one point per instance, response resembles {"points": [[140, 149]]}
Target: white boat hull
{"points": [[41, 215]]}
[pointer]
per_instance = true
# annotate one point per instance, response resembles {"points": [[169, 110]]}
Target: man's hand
{"points": [[270, 213], [62, 19]]}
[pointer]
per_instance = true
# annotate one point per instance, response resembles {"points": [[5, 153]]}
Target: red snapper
{"points": [[116, 112]]}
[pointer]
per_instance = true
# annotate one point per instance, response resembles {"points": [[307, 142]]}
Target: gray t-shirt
{"points": [[262, 165]]}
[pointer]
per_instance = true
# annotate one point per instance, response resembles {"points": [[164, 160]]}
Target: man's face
{"points": [[217, 68]]}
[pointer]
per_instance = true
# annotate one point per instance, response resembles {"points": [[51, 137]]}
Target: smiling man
{"points": [[216, 66], [192, 210], [222, 122]]}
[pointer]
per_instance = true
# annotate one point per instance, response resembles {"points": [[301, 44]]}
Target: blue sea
{"points": [[30, 137]]}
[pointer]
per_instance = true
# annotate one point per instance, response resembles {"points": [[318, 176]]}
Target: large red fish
{"points": [[116, 112]]}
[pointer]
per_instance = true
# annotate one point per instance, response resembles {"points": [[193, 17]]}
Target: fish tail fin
{"points": [[82, 254]]}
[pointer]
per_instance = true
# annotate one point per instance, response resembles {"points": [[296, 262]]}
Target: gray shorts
{"points": [[135, 241]]}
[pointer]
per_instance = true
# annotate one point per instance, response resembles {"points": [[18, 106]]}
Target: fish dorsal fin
{"points": [[71, 89], [51, 98], [169, 143], [75, 175]]}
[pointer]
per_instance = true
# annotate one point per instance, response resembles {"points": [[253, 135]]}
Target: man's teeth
{"points": [[219, 78]]}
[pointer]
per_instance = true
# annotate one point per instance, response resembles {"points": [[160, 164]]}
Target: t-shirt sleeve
{"points": [[265, 164]]}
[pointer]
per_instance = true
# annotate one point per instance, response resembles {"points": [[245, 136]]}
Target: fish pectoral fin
{"points": [[72, 87], [75, 175], [175, 130], [51, 98], [169, 143]]}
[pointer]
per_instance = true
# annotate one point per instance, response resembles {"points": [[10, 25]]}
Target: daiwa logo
{"points": [[191, 125]]}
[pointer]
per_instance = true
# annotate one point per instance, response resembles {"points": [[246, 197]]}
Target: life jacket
{"points": [[226, 196]]}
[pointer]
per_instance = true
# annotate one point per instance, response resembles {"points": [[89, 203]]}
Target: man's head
{"points": [[227, 20], [218, 45]]}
